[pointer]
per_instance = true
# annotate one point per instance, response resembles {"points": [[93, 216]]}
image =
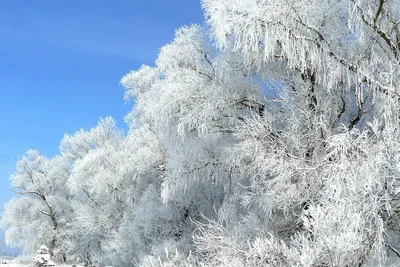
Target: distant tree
{"points": [[42, 210]]}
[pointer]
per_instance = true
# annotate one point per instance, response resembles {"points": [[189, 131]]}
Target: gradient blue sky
{"points": [[61, 62]]}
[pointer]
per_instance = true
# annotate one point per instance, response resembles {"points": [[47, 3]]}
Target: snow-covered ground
{"points": [[9, 263], [29, 265]]}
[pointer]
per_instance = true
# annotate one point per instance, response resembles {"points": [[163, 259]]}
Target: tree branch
{"points": [[378, 30], [394, 250], [92, 199], [380, 8]]}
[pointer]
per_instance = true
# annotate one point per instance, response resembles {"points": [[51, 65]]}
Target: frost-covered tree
{"points": [[268, 137], [42, 211], [97, 189], [319, 167]]}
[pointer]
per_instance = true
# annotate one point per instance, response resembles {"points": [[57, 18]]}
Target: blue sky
{"points": [[61, 62]]}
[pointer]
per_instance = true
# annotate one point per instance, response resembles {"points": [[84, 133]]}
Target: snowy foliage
{"points": [[269, 137], [42, 258]]}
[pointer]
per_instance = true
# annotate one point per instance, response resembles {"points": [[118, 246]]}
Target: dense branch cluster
{"points": [[269, 137]]}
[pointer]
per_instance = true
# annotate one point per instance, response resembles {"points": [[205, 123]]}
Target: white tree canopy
{"points": [[268, 137]]}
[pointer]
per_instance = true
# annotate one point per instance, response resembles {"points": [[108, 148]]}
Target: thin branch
{"points": [[200, 72], [380, 8], [45, 213], [394, 250], [116, 189], [23, 166], [378, 30], [92, 199]]}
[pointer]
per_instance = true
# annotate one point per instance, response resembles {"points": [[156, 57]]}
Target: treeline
{"points": [[268, 137]]}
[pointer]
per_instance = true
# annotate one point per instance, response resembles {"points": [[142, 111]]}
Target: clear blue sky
{"points": [[61, 62]]}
